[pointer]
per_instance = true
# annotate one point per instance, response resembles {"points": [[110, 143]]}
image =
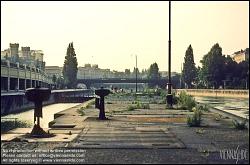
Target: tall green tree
{"points": [[127, 71], [189, 72], [153, 72], [134, 71], [213, 66], [70, 67], [60, 82], [54, 79], [201, 80]]}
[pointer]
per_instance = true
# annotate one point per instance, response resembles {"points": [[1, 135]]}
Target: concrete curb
{"points": [[227, 114]]}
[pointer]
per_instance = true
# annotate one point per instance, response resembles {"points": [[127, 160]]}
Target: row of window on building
{"points": [[31, 58], [92, 72]]}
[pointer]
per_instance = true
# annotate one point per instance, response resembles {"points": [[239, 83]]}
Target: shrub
{"points": [[131, 108], [240, 124], [145, 106], [200, 131], [157, 92], [153, 102], [80, 111], [203, 108], [163, 93], [175, 99], [8, 125], [163, 101], [195, 120], [140, 105], [186, 101], [134, 102], [88, 106]]}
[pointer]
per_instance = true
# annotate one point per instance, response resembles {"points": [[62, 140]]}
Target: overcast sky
{"points": [[111, 33]]}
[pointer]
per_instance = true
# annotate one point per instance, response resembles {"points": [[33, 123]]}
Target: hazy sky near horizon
{"points": [[110, 33]]}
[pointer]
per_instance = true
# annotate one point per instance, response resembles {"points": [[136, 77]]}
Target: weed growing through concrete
{"points": [[81, 111], [195, 120], [8, 125], [240, 124], [186, 101]]}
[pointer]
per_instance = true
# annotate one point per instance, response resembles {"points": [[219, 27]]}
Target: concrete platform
{"points": [[22, 135], [120, 134]]}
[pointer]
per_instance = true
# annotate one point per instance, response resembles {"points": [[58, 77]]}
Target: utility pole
{"points": [[169, 95], [181, 77], [246, 83], [136, 74]]}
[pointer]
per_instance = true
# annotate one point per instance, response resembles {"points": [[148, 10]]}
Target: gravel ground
{"points": [[204, 144]]}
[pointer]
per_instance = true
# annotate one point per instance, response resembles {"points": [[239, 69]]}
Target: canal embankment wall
{"points": [[216, 92], [17, 102]]}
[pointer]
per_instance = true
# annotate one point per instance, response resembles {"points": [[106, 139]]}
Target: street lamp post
{"points": [[136, 74], [246, 83], [169, 95]]}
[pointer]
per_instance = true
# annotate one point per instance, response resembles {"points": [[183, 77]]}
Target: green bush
{"points": [[163, 93], [157, 92], [175, 99], [162, 101], [145, 106], [195, 120], [186, 101], [131, 108], [240, 125], [153, 102], [138, 105], [203, 108], [80, 111], [8, 125], [134, 102], [88, 106]]}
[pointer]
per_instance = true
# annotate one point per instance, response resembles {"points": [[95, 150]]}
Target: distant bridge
{"points": [[160, 82], [15, 77]]}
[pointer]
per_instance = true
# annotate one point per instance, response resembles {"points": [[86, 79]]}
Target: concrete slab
{"points": [[21, 131], [65, 131], [114, 133], [22, 134], [62, 125], [8, 137], [57, 138]]}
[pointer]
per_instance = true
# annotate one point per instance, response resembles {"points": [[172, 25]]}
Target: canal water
{"points": [[236, 106], [48, 113]]}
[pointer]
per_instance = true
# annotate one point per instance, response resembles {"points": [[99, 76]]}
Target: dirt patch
{"points": [[159, 119]]}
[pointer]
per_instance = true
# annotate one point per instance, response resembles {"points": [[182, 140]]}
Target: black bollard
{"points": [[38, 95], [102, 93], [97, 103]]}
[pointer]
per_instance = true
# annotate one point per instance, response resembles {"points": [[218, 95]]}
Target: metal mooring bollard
{"points": [[102, 93], [97, 103], [38, 95]]}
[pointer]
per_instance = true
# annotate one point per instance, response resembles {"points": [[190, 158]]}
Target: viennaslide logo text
{"points": [[235, 154]]}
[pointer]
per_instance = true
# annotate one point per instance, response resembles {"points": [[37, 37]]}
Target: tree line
{"points": [[69, 72], [217, 71]]}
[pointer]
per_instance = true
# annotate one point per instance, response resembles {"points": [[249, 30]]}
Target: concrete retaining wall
{"points": [[216, 93], [17, 102]]}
